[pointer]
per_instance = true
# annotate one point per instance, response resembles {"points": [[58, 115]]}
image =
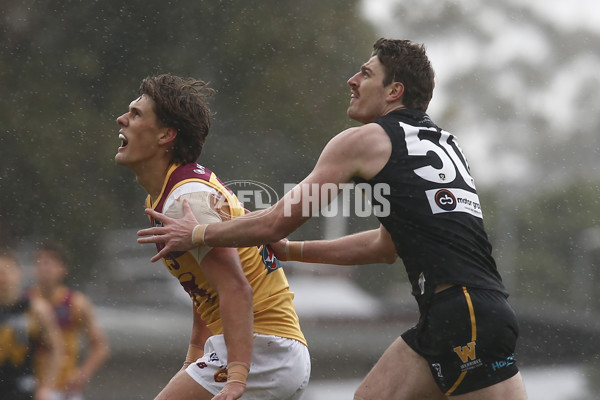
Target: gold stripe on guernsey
{"points": [[462, 375], [153, 204]]}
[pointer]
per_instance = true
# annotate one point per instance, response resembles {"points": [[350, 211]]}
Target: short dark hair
{"points": [[407, 62], [181, 103]]}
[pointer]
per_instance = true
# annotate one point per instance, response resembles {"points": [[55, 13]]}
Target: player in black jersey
{"points": [[463, 345], [25, 326]]}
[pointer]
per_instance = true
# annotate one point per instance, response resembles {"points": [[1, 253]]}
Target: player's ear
{"points": [[396, 91], [168, 135]]}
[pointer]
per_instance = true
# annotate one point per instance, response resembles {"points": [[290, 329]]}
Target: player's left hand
{"points": [[175, 234], [231, 391]]}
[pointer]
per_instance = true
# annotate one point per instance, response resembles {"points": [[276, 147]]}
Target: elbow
{"points": [[389, 255], [390, 258]]}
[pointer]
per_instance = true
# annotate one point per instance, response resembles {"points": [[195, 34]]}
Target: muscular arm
{"points": [[358, 152], [98, 349], [368, 247], [52, 339], [223, 270]]}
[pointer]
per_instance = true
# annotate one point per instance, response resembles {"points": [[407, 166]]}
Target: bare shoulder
{"points": [[81, 302], [356, 152], [369, 145], [40, 308], [367, 132]]}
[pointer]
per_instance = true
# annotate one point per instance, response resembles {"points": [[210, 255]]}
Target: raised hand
{"points": [[175, 233]]}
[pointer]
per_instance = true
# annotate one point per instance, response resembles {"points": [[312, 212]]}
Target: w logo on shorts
{"points": [[467, 356], [466, 353], [268, 257]]}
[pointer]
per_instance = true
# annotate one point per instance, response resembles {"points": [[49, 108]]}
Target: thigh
{"points": [[183, 387], [400, 374], [510, 389]]}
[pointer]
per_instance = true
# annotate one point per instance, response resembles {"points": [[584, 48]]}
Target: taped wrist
{"points": [[237, 371], [198, 235], [294, 251]]}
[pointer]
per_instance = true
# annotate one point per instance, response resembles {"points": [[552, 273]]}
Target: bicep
{"points": [[357, 152]]}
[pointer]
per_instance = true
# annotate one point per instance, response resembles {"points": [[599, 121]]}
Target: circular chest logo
{"points": [[445, 200], [252, 194]]}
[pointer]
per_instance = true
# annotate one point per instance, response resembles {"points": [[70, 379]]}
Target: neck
{"points": [[394, 108], [153, 178]]}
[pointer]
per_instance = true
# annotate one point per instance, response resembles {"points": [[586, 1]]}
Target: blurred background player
{"points": [[76, 318], [25, 325]]}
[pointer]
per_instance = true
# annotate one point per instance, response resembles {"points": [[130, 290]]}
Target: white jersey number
{"points": [[446, 150]]}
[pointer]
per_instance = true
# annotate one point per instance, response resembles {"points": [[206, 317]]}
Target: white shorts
{"points": [[280, 368]]}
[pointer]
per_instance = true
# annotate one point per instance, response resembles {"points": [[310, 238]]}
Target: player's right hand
{"points": [[175, 234]]}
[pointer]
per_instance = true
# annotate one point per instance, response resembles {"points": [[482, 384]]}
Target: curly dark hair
{"points": [[181, 103], [407, 62]]}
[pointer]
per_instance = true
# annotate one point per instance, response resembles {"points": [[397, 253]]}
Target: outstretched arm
{"points": [[355, 152], [368, 247]]}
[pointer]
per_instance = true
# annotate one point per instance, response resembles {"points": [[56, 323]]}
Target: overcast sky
{"points": [[509, 43]]}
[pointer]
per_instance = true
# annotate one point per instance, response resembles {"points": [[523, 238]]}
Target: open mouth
{"points": [[123, 140]]}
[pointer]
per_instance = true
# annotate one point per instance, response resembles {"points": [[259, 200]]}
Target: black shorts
{"points": [[468, 337]]}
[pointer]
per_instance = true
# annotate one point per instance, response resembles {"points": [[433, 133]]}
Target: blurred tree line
{"points": [[68, 68]]}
